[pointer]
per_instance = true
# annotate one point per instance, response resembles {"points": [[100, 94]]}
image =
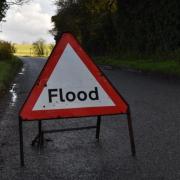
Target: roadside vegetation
{"points": [[167, 64], [141, 35], [9, 65], [163, 67]]}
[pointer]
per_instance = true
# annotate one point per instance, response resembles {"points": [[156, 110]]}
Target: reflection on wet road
{"points": [[13, 94], [22, 71], [13, 88]]}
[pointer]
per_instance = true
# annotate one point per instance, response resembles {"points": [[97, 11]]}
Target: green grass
{"points": [[8, 69], [166, 67], [27, 50]]}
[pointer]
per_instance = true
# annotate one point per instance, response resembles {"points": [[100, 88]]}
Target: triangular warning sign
{"points": [[70, 85]]}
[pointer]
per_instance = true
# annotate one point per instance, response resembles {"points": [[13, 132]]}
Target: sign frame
{"points": [[39, 139], [41, 82]]}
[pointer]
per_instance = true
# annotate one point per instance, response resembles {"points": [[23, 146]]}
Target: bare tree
{"points": [[17, 2], [39, 47], [6, 4]]}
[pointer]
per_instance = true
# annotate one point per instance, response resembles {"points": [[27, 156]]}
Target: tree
{"points": [[5, 4], [3, 8], [51, 47], [91, 21], [6, 50], [17, 2], [39, 47], [137, 27]]}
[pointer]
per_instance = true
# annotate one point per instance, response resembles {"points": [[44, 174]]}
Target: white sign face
{"points": [[71, 85]]}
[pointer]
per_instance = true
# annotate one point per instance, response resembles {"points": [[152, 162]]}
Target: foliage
{"points": [[8, 69], [6, 50], [39, 47], [142, 27], [3, 8], [17, 2]]}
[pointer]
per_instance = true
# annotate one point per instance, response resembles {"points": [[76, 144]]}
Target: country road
{"points": [[155, 106]]}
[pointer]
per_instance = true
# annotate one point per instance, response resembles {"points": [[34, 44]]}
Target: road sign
{"points": [[71, 85]]}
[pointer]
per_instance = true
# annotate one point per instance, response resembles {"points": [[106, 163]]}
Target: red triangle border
{"points": [[26, 112]]}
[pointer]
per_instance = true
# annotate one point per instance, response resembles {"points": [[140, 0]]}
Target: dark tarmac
{"points": [[155, 106]]}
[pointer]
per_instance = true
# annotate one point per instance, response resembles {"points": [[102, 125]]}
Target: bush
{"points": [[6, 50], [8, 70]]}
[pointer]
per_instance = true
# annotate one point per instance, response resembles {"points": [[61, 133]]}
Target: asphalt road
{"points": [[155, 105]]}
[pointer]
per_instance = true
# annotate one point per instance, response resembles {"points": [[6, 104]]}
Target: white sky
{"points": [[29, 22]]}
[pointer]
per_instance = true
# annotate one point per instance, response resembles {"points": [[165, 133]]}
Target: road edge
{"points": [[15, 65]]}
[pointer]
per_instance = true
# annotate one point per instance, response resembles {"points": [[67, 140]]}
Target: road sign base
{"points": [[39, 138]]}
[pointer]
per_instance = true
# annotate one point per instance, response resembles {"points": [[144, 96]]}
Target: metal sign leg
{"points": [[39, 127], [21, 142], [98, 126], [39, 139], [131, 135]]}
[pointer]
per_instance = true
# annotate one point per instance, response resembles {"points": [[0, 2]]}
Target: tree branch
{"points": [[17, 2], [109, 4]]}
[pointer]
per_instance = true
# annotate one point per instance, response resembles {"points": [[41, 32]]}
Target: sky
{"points": [[28, 23]]}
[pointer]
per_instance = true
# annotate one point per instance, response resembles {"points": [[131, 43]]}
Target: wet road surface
{"points": [[155, 105]]}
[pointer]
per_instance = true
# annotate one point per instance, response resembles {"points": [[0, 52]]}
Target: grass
{"points": [[27, 50], [8, 69], [165, 67]]}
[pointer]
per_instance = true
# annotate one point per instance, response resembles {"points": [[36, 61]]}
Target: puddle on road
{"points": [[13, 95], [13, 92], [22, 71]]}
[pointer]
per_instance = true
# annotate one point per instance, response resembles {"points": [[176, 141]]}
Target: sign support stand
{"points": [[98, 126], [39, 139], [88, 93], [40, 128], [131, 134], [40, 136], [21, 142]]}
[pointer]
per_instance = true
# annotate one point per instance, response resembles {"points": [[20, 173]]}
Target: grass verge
{"points": [[8, 69], [164, 67]]}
